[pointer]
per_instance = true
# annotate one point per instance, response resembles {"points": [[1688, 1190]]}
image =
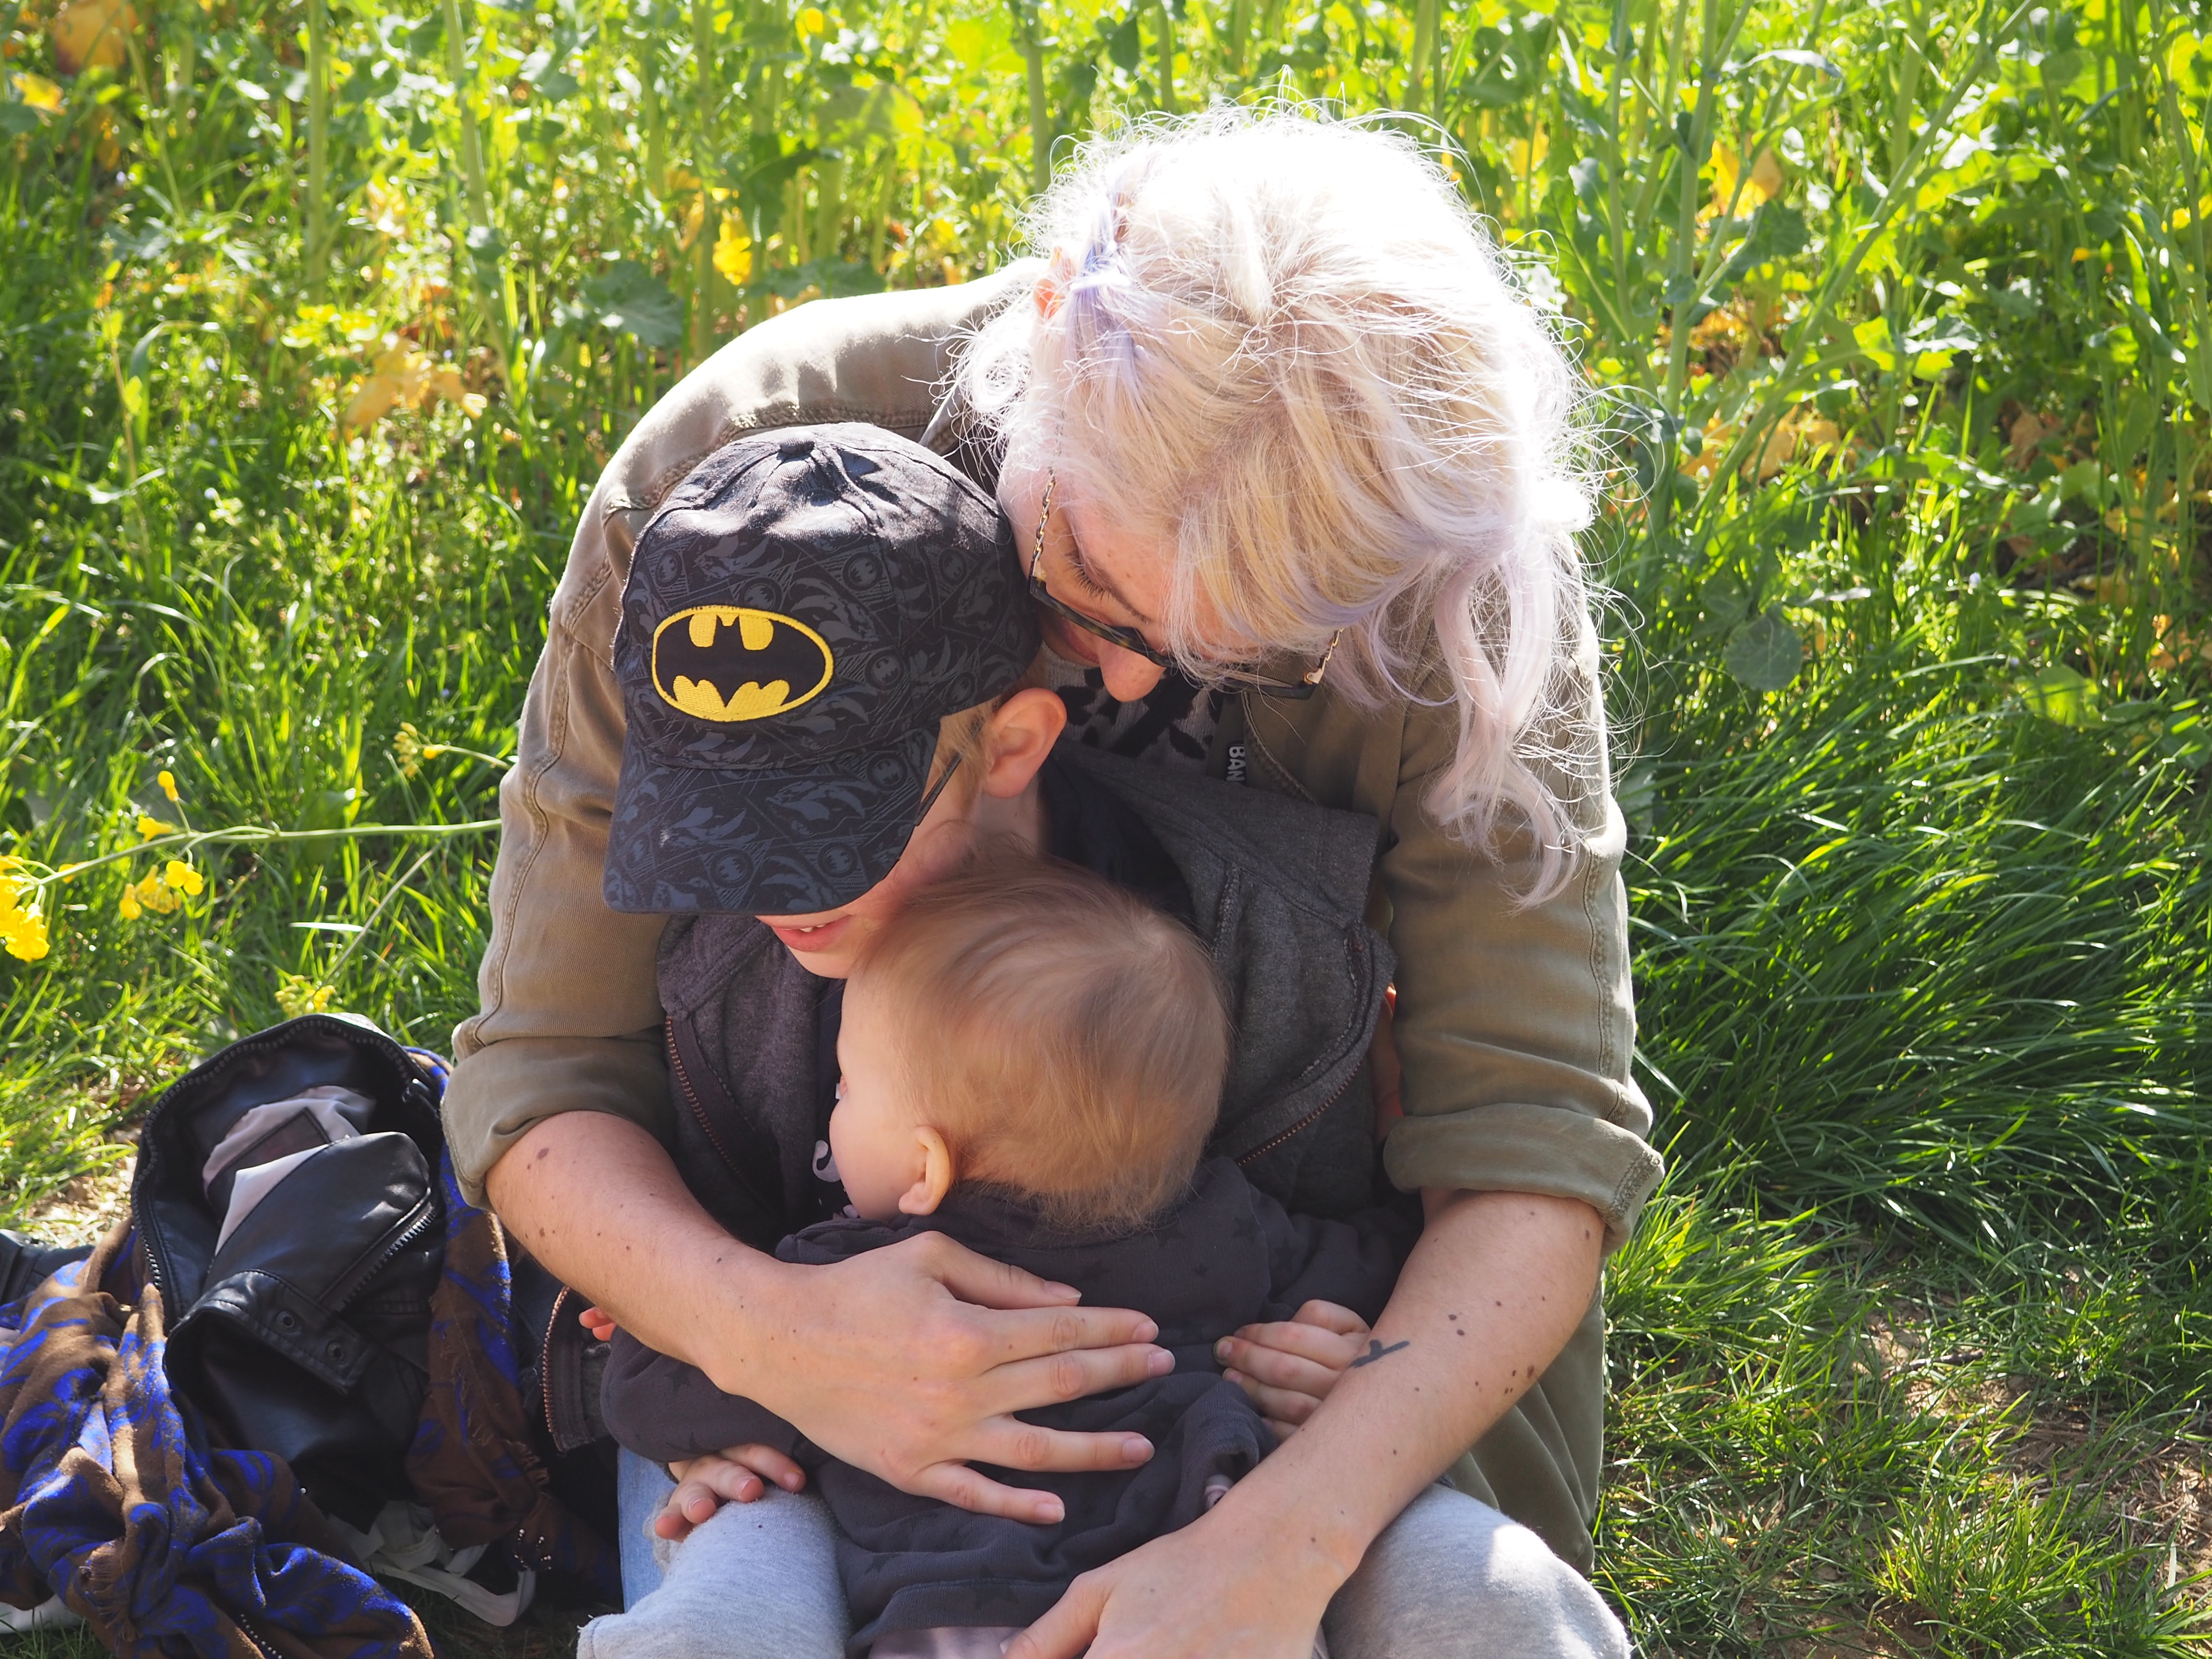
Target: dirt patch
{"points": [[2169, 1495], [1853, 1639], [1950, 1383], [82, 1212]]}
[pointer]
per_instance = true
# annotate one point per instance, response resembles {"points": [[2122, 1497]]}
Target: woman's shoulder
{"points": [[881, 359], [877, 358]]}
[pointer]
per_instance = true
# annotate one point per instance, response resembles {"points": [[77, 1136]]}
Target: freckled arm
{"points": [[1496, 1286]]}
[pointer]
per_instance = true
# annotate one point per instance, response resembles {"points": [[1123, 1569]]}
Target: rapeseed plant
{"points": [[22, 922], [297, 994]]}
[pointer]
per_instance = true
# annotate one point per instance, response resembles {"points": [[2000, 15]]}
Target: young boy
{"points": [[1031, 1062]]}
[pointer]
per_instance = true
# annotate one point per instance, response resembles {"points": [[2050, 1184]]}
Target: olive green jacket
{"points": [[1514, 1023]]}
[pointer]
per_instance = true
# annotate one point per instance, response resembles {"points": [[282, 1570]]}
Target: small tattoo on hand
{"points": [[1376, 1351]]}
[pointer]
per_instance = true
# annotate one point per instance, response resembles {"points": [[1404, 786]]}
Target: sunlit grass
{"points": [[1909, 1357]]}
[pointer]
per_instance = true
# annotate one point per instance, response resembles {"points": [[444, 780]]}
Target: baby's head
{"points": [[1030, 1026]]}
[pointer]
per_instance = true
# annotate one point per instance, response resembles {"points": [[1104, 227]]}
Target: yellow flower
{"points": [[91, 31], [23, 933], [22, 927], [148, 828], [43, 96], [167, 780], [446, 382], [153, 894], [297, 994], [182, 877], [129, 907], [1762, 185], [733, 254]]}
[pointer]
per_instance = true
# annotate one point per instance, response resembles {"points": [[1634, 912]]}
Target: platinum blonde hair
{"points": [[1283, 346]]}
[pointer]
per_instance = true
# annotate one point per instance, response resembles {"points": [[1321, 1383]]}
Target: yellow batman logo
{"points": [[770, 664]]}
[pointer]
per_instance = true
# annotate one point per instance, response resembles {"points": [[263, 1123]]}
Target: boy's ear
{"points": [[936, 1176], [1021, 734]]}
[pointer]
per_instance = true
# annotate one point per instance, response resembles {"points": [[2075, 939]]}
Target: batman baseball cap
{"points": [[801, 612]]}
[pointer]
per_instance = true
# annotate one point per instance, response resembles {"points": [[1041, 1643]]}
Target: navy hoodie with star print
{"points": [[1226, 1256]]}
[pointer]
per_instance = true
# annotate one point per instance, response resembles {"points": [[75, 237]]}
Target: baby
{"points": [[1031, 1061]]}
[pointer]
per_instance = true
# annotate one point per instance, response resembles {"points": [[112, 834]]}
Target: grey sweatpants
{"points": [[1450, 1578]]}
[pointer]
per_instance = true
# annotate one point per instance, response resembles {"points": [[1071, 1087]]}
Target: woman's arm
{"points": [[1498, 1283], [967, 1341]]}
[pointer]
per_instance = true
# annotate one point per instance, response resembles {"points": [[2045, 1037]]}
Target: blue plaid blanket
{"points": [[112, 1498]]}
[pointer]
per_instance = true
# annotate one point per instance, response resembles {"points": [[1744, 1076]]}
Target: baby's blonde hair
{"points": [[1283, 347], [1067, 1040]]}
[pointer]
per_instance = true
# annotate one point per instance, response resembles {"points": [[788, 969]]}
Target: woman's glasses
{"points": [[1129, 640]]}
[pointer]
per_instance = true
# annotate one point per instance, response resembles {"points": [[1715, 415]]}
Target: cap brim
{"points": [[788, 841]]}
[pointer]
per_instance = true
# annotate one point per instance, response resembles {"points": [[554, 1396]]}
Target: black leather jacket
{"points": [[305, 1334]]}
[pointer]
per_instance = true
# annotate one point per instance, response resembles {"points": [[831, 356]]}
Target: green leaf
{"points": [[629, 298], [1775, 232], [1765, 653], [1637, 796], [2083, 481], [486, 248], [2059, 693]]}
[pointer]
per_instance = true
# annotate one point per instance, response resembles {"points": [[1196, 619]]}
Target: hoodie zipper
{"points": [[1305, 1123], [691, 1098], [545, 1367]]}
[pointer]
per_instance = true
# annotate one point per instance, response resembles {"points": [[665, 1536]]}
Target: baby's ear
{"points": [[935, 1176]]}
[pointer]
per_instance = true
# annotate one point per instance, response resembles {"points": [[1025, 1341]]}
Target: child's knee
{"points": [[757, 1580], [1452, 1578]]}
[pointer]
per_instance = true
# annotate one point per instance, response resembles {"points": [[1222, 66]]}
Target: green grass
{"points": [[1910, 1356]]}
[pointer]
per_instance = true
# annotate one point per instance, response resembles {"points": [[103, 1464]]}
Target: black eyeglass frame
{"points": [[935, 790], [1129, 640]]}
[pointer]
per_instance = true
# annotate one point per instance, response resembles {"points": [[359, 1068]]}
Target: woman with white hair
{"points": [[1292, 464]]}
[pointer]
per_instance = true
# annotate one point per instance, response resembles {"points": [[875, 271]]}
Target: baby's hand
{"points": [[736, 1474], [599, 1322], [1289, 1367]]}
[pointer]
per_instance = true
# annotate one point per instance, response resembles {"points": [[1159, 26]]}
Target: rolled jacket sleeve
{"points": [[568, 1015], [1514, 1023], [569, 1018]]}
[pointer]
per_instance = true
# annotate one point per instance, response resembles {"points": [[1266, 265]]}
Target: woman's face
{"points": [[1098, 567]]}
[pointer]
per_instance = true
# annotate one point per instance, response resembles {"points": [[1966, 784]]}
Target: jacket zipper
{"points": [[691, 1098], [338, 1297], [152, 1168], [545, 1367], [1305, 1123]]}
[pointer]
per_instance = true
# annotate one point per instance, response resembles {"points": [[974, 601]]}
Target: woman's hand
{"points": [[1218, 1589], [1289, 1367], [907, 1362], [910, 1362], [736, 1474]]}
